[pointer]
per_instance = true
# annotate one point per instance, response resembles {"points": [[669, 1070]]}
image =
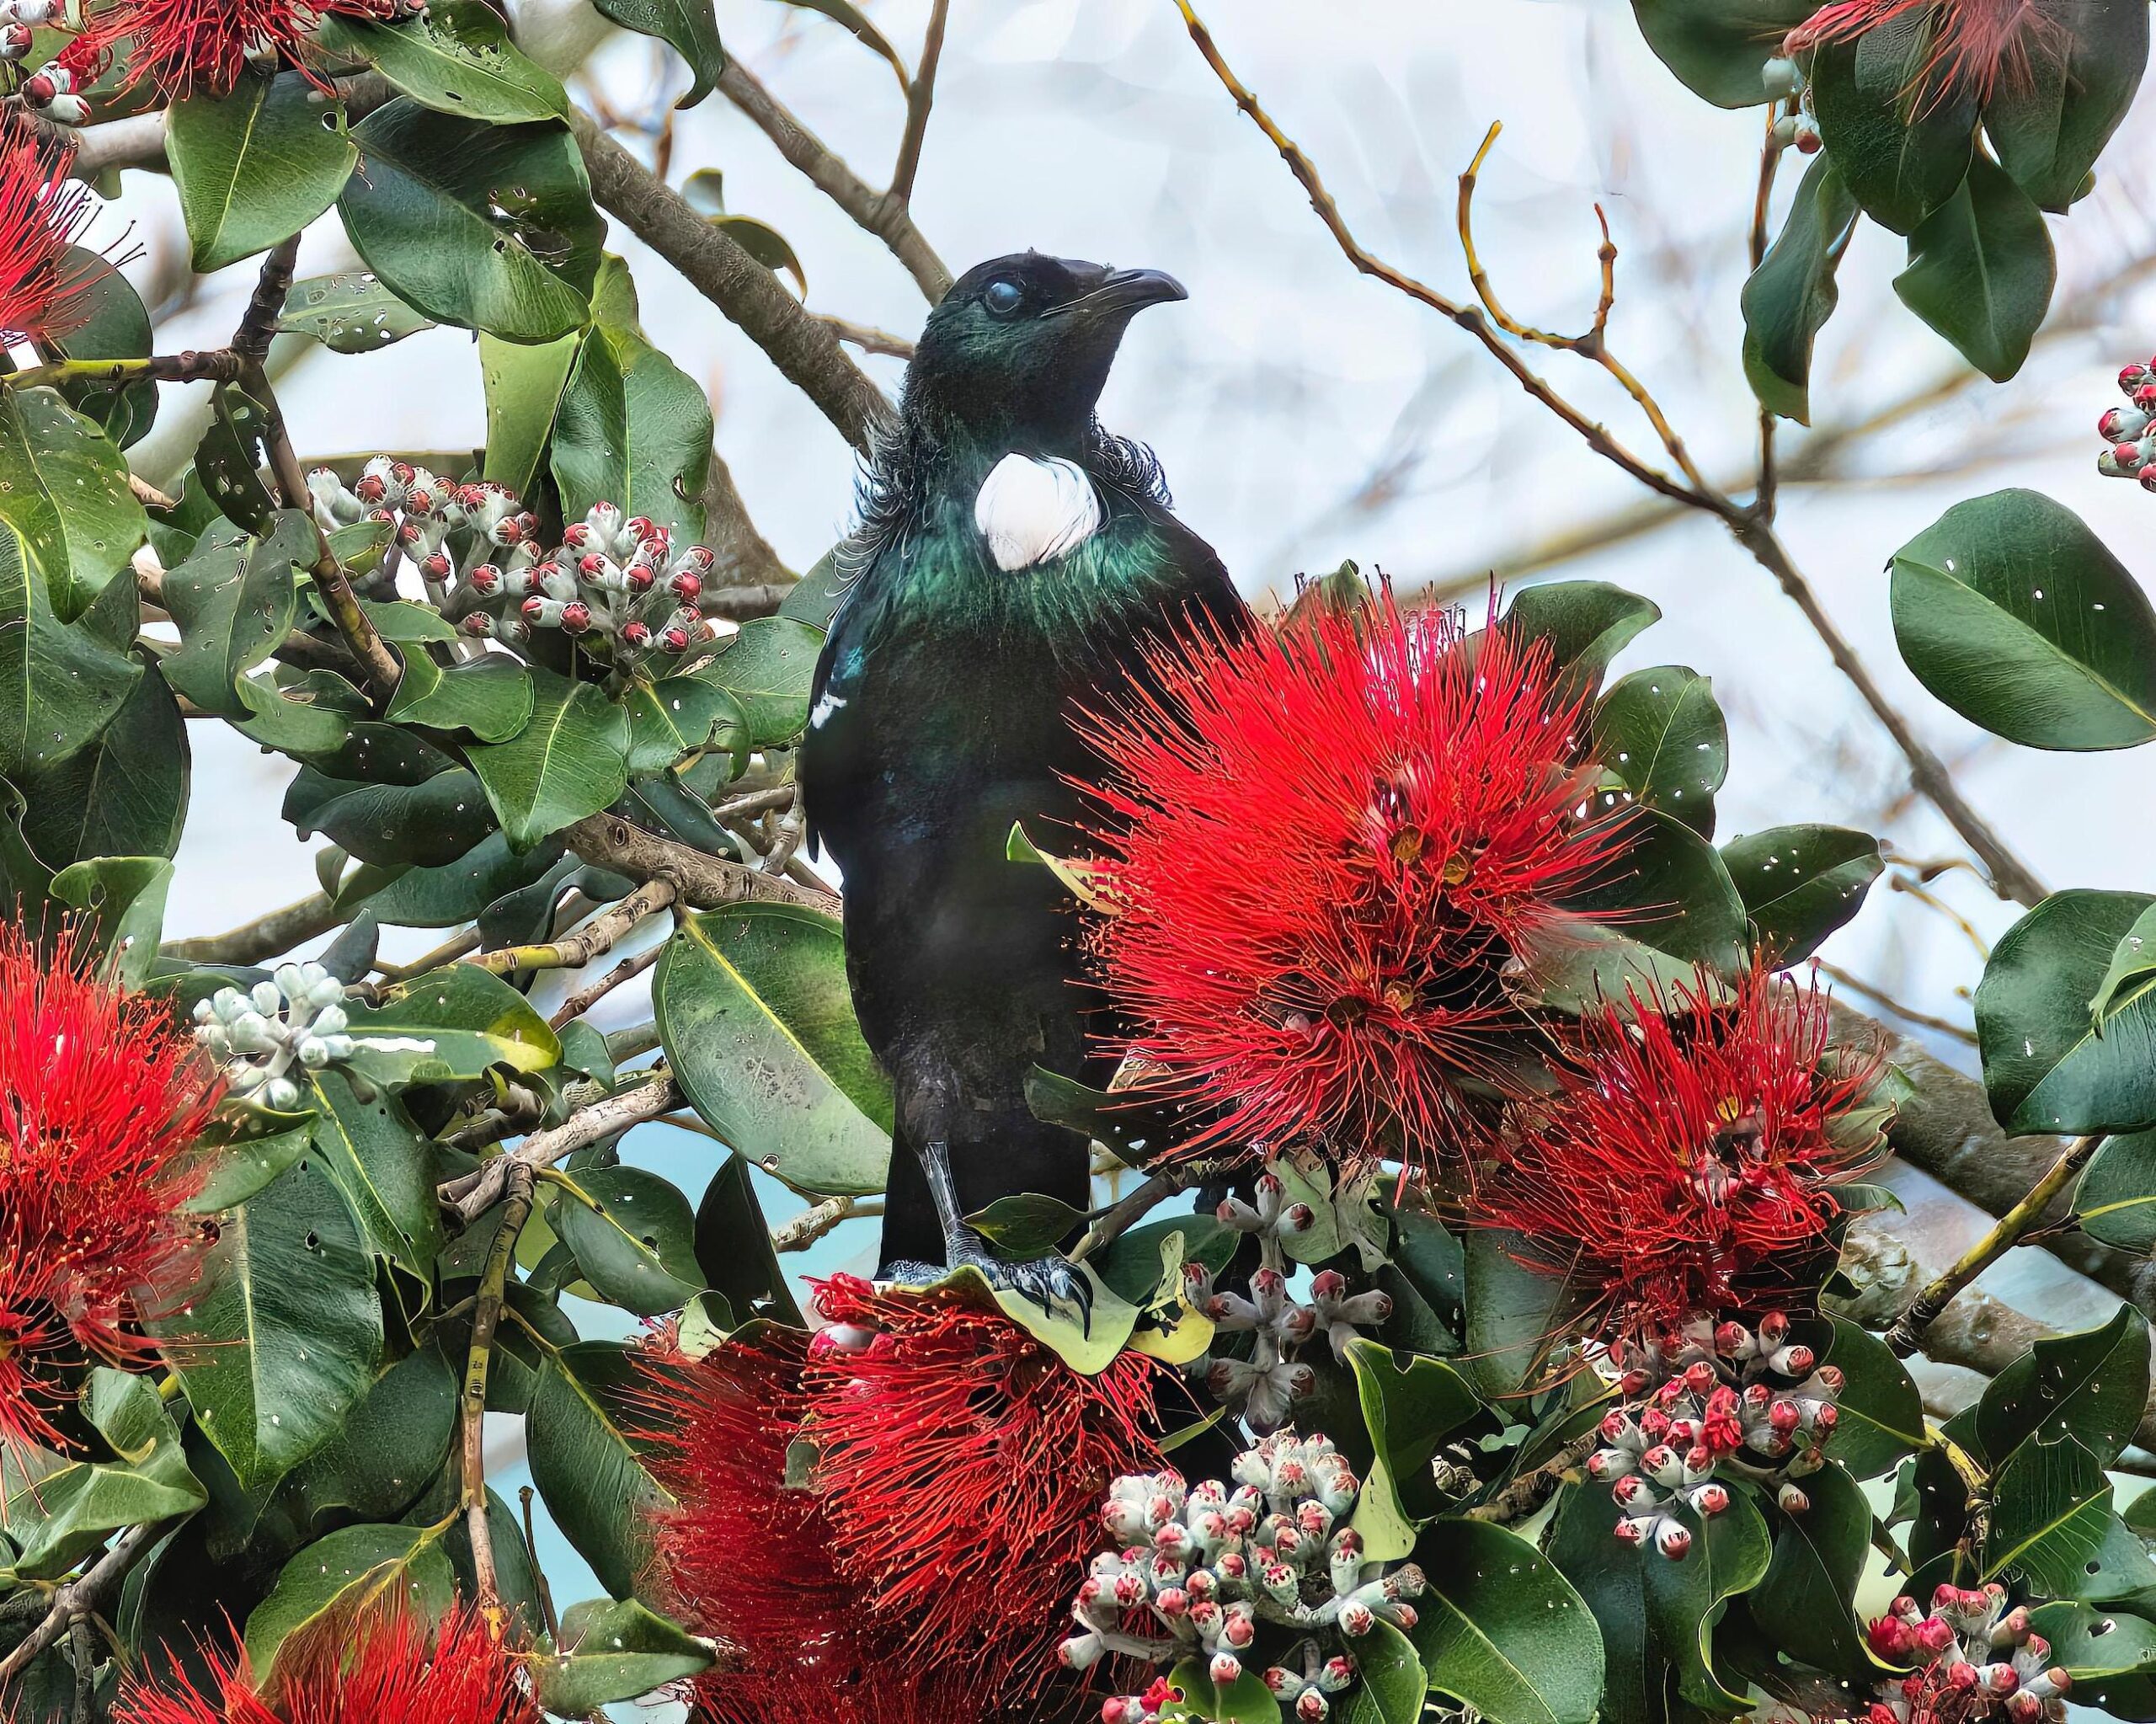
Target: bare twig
{"points": [[82, 1598], [702, 882], [1128, 1211], [867, 337], [524, 1493], [1907, 1014], [740, 603], [1770, 160], [471, 1196], [594, 940], [273, 285], [920, 96], [627, 970], [882, 214], [270, 935], [812, 1224], [1527, 1493], [486, 1318]]}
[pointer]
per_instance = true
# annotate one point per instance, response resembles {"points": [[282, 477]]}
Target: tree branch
{"points": [[1527, 1493], [486, 1318], [83, 1598], [270, 936], [920, 96], [748, 293], [594, 940], [882, 214], [702, 882], [471, 1196]]}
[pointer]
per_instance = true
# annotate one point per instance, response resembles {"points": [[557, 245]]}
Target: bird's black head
{"points": [[1016, 355]]}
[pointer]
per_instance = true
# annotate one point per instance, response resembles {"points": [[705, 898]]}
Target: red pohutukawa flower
{"points": [[42, 213], [1691, 1152], [198, 47], [1323, 846], [954, 1468], [1974, 46], [99, 1092], [392, 1669]]}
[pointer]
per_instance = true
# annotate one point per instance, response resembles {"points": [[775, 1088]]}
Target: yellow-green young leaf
{"points": [[570, 760], [255, 167], [327, 1585], [456, 57], [64, 490], [458, 1021]]}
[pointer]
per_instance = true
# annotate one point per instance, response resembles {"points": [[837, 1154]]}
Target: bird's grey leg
{"points": [[1047, 1282]]}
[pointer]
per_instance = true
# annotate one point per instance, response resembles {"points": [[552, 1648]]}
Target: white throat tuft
{"points": [[1031, 510]]}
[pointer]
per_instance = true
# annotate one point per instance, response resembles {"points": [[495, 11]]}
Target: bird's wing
{"points": [[831, 749]]}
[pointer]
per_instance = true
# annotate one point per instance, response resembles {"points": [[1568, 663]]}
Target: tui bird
{"points": [[1014, 561]]}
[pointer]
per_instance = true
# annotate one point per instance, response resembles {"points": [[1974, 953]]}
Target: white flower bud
{"points": [[314, 1053], [326, 990], [250, 1033], [330, 1020], [282, 1094], [268, 997], [241, 1079]]}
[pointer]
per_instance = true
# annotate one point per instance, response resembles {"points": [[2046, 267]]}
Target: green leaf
{"points": [[634, 1237], [63, 488], [2016, 616], [115, 324], [688, 26], [1666, 888], [1245, 1701], [2051, 121], [1512, 1312], [1026, 1225], [427, 211], [2045, 1067], [1651, 1613], [1901, 141], [767, 668], [2051, 1509], [456, 57], [1804, 1599], [395, 1442], [1501, 1630], [2091, 1644], [229, 458], [570, 760], [2092, 1386], [1718, 47], [1799, 884], [1587, 623], [1131, 1265], [611, 1651], [1408, 1410], [677, 717], [282, 1332], [458, 1021], [234, 601], [1882, 1412], [232, 1172], [733, 1247], [600, 1494], [1789, 296], [757, 1022], [1391, 1684], [523, 383], [125, 895], [429, 823], [490, 697], [254, 167], [335, 1579], [61, 683], [2133, 965], [1981, 271], [124, 794], [1660, 735], [349, 312], [384, 1165], [456, 892], [2116, 1200], [633, 429]]}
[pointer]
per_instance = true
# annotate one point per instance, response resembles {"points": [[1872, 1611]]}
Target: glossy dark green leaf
{"points": [[2116, 1200], [2046, 1067], [490, 697], [1511, 1312], [56, 1514], [2092, 1386], [454, 57], [384, 1165], [2092, 1645], [570, 760], [2051, 1510], [486, 227], [1502, 1630], [633, 429], [458, 1021], [1665, 887], [1799, 884], [1650, 1612], [2051, 121], [764, 244], [255, 167], [523, 383], [598, 1490], [428, 824], [1026, 1224], [689, 27], [757, 1020], [396, 1440], [1661, 735], [231, 1172], [1804, 1600], [280, 1336], [733, 1247], [2133, 963], [63, 488], [1245, 1701], [1131, 1265], [1901, 143], [454, 892], [124, 794], [1587, 623], [124, 897], [230, 457], [613, 1650], [349, 312], [767, 668], [333, 1580], [1407, 1409], [1789, 296], [61, 683], [634, 1237], [2016, 616], [1882, 1412], [115, 324], [1981, 271], [676, 717], [1718, 47], [233, 601]]}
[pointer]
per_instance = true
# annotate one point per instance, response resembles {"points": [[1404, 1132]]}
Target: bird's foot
{"points": [[1054, 1283]]}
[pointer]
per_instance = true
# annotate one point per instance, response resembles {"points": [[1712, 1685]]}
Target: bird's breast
{"points": [[1032, 509]]}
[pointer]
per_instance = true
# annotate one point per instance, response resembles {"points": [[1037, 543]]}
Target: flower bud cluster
{"points": [[1725, 1402], [1202, 1565], [617, 584], [1266, 1385], [2129, 432], [1977, 1660], [16, 19], [259, 1036]]}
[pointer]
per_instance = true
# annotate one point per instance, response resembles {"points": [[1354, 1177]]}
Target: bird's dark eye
{"points": [[1002, 296]]}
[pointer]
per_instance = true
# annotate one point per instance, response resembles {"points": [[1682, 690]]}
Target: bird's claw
{"points": [[1049, 1283]]}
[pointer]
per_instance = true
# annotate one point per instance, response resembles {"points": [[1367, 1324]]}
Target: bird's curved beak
{"points": [[1124, 292]]}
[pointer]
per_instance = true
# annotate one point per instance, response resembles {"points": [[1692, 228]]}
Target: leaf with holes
{"points": [[1799, 884], [454, 57], [350, 313], [634, 1237], [254, 167], [1661, 735], [233, 601], [2092, 1386]]}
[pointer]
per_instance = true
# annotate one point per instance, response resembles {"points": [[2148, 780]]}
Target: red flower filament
{"points": [[42, 213], [99, 1092], [202, 47], [1690, 1150], [1324, 846], [1974, 46]]}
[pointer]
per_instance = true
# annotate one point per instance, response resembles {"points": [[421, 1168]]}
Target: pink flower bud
{"points": [[686, 587], [479, 625], [534, 608], [1673, 1539], [1933, 1635], [1356, 1620], [39, 88], [436, 567], [576, 616], [1227, 1668], [486, 580], [1172, 1604], [1328, 1284], [1631, 1532], [1791, 1501], [1311, 1707]]}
